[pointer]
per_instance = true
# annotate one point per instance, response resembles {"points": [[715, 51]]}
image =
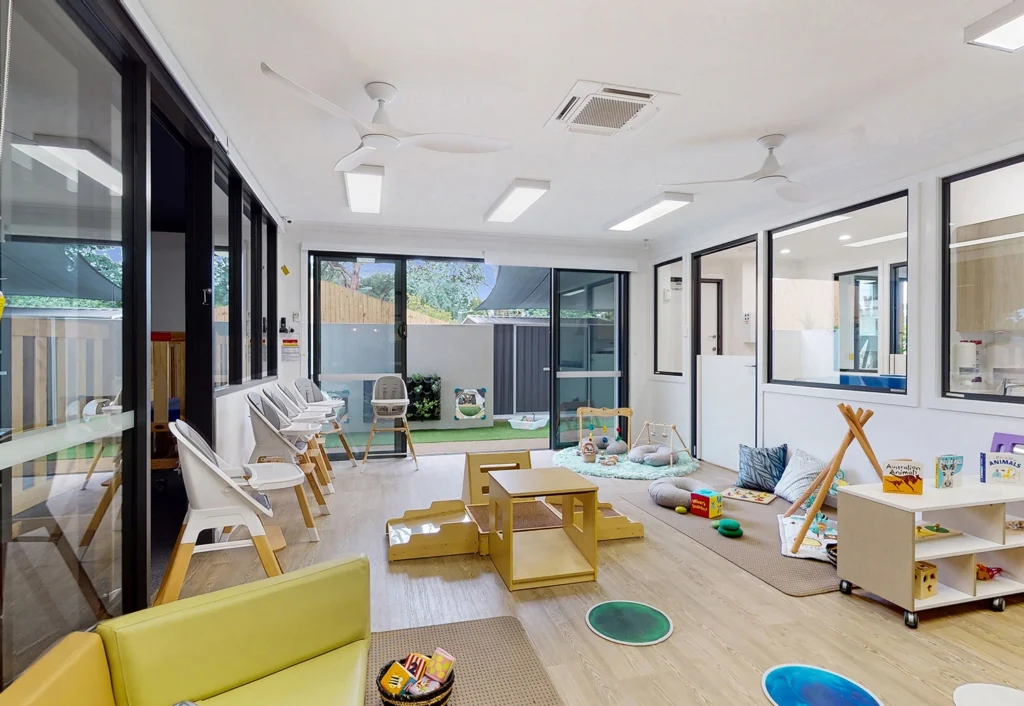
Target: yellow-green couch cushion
{"points": [[337, 678], [208, 645]]}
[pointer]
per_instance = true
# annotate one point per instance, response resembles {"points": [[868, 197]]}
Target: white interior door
{"points": [[710, 335], [727, 407]]}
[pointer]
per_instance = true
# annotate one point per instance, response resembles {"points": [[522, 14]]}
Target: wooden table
{"points": [[543, 557]]}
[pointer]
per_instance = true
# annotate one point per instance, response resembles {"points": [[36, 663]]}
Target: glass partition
{"points": [[838, 300]]}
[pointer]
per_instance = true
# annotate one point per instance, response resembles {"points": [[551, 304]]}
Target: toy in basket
{"points": [[418, 679]]}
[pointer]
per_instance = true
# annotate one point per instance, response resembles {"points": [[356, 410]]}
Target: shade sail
{"points": [[519, 288], [43, 269]]}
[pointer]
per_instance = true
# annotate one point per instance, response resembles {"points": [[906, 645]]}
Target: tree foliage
{"points": [[99, 258], [441, 289]]}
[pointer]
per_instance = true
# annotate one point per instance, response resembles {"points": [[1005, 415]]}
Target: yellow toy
{"points": [[926, 580], [681, 510]]}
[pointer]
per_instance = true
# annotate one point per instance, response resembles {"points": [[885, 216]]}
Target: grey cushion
{"points": [[637, 453], [617, 447], [761, 468], [798, 476], [673, 492], [663, 456]]}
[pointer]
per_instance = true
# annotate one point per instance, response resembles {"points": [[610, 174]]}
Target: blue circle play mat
{"points": [[803, 685]]}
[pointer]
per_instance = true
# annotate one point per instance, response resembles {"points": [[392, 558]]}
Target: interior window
{"points": [[668, 318], [839, 299]]}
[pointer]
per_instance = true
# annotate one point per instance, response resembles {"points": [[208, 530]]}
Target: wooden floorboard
{"points": [[729, 626]]}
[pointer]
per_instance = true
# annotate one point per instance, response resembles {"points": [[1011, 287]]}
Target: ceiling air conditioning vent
{"points": [[602, 109]]}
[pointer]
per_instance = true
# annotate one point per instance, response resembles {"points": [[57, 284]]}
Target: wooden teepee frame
{"points": [[856, 421]]}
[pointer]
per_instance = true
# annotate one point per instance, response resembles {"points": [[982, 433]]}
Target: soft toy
{"points": [[730, 529], [637, 453], [673, 492]]}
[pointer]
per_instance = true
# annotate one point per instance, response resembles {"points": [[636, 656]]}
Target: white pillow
{"points": [[800, 472]]}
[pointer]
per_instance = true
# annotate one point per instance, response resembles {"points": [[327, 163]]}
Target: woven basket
{"points": [[832, 549], [437, 698]]}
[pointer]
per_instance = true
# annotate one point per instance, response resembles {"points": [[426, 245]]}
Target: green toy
{"points": [[681, 509], [730, 529], [715, 524]]}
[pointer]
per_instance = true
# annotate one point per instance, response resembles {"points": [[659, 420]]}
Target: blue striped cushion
{"points": [[761, 468]]}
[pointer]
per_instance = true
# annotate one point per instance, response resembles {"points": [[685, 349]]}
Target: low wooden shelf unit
{"points": [[879, 548]]}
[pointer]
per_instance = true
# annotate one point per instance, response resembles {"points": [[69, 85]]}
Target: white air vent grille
{"points": [[602, 109], [607, 113]]}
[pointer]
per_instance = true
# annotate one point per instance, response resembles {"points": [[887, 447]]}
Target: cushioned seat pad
{"points": [[337, 678]]}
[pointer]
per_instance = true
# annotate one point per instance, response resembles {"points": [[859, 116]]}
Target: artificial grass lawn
{"points": [[501, 430]]}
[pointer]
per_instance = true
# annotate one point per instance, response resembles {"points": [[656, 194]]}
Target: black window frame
{"points": [[895, 305], [657, 304], [769, 296], [866, 274], [945, 344]]}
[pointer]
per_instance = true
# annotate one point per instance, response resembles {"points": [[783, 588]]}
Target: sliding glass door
{"points": [[359, 335], [588, 337]]}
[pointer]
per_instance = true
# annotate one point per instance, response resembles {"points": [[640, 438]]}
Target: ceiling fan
{"points": [[380, 134], [771, 174]]}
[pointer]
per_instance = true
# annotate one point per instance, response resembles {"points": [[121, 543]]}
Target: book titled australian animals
{"points": [[1002, 468], [903, 476]]}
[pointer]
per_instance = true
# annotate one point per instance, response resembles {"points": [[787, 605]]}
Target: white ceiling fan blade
{"points": [[749, 177], [354, 159], [794, 191], [314, 99], [454, 142]]}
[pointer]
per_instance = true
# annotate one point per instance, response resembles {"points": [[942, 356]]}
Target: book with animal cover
{"points": [[903, 476], [948, 471], [1002, 468]]}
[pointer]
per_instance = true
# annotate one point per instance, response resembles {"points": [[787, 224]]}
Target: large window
{"points": [[668, 318], [838, 305], [221, 286], [61, 344], [984, 283]]}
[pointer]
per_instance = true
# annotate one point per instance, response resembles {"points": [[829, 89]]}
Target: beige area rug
{"points": [[495, 664], [758, 551]]}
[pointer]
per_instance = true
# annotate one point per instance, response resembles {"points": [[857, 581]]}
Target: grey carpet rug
{"points": [[495, 664], [758, 551]]}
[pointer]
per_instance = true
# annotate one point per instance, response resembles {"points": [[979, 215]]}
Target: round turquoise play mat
{"points": [[570, 458], [803, 685], [629, 623]]}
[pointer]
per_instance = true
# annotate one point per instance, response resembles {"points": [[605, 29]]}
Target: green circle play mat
{"points": [[629, 623]]}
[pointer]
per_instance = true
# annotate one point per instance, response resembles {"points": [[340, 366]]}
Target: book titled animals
{"points": [[948, 471], [903, 476], [1002, 468]]}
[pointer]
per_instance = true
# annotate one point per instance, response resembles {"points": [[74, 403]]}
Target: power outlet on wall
{"points": [[296, 316]]}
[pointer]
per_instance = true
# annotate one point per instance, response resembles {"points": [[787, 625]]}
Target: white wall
{"points": [[167, 281], [920, 424], [464, 357]]}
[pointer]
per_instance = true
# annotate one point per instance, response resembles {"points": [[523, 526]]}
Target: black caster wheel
{"points": [[910, 619], [845, 587], [998, 604]]}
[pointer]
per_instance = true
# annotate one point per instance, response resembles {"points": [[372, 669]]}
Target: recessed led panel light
{"points": [[1002, 30], [364, 186], [845, 237], [660, 206], [784, 252], [876, 241], [518, 197], [809, 226]]}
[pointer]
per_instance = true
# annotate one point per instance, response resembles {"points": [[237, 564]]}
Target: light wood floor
{"points": [[729, 626]]}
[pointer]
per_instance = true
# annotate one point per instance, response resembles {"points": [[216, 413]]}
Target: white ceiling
{"points": [[813, 69]]}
